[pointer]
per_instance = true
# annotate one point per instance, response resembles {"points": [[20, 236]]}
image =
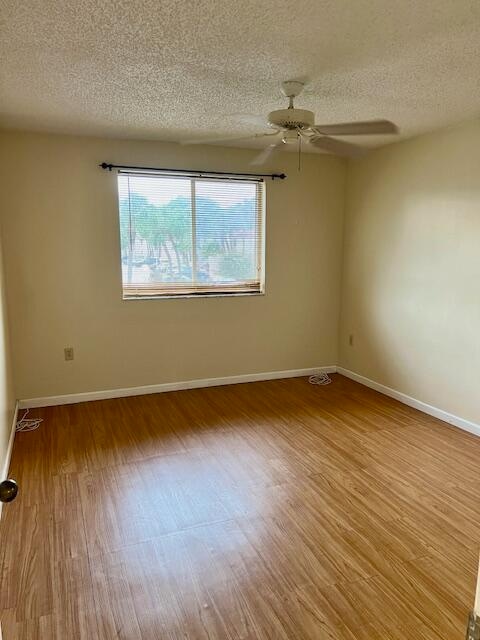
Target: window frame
{"points": [[209, 291]]}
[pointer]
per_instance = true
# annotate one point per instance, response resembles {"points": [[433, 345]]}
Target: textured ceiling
{"points": [[171, 70]]}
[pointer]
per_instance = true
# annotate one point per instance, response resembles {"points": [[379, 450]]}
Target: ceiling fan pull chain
{"points": [[299, 152]]}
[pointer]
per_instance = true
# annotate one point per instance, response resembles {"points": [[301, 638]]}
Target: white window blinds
{"points": [[183, 235]]}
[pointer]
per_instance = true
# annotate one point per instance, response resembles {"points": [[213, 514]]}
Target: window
{"points": [[190, 236]]}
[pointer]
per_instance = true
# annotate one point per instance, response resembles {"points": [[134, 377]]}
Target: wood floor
{"points": [[273, 510]]}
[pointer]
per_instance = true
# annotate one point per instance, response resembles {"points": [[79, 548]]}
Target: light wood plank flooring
{"points": [[273, 510]]}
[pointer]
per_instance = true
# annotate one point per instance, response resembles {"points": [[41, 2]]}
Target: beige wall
{"points": [[7, 394], [411, 272], [63, 270], [411, 282]]}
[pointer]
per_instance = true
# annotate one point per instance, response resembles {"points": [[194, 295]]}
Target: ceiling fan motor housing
{"points": [[291, 119]]}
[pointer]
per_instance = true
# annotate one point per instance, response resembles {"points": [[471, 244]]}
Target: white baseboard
{"points": [[452, 419], [8, 455], [73, 398]]}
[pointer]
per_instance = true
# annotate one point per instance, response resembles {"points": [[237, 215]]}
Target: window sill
{"points": [[201, 296]]}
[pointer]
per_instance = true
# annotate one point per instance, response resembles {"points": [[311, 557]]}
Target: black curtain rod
{"points": [[280, 176]]}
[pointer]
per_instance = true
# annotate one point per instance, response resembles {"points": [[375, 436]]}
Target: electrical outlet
{"points": [[350, 339], [68, 351]]}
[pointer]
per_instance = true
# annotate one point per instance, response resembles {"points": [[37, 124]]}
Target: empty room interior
{"points": [[240, 320]]}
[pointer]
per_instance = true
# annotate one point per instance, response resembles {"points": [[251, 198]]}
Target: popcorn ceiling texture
{"points": [[171, 70]]}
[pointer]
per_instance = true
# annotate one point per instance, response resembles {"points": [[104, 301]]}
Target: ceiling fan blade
{"points": [[223, 139], [338, 147], [266, 153], [371, 127]]}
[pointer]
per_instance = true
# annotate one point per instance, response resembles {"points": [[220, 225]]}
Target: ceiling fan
{"points": [[294, 126]]}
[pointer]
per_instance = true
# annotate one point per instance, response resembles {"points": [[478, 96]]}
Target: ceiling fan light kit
{"points": [[292, 126], [290, 137]]}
